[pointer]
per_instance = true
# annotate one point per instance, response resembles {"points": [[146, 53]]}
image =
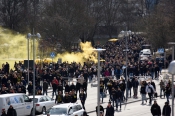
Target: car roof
{"points": [[37, 96], [11, 94], [65, 105]]}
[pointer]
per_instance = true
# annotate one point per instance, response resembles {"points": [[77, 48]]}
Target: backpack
{"points": [[151, 89], [142, 90]]}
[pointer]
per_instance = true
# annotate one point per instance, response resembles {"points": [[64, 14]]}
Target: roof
{"points": [[11, 94], [37, 96], [66, 105]]}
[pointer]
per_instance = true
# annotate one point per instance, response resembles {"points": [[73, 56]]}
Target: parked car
{"points": [[20, 102], [43, 103], [68, 109]]}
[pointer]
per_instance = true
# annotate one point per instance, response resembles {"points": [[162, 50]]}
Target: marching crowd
{"points": [[113, 70]]}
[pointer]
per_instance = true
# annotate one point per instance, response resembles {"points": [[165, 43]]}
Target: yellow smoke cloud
{"points": [[13, 47], [86, 54]]}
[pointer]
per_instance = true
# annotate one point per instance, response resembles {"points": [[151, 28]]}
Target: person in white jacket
{"points": [[150, 90]]}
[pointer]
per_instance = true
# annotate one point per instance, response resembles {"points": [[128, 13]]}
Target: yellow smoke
{"points": [[86, 54], [13, 47]]}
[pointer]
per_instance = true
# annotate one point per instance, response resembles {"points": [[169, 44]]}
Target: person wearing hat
{"points": [[166, 109], [3, 113], [155, 109], [11, 111], [109, 110]]}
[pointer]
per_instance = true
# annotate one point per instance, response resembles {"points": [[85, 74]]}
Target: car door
{"points": [[80, 110], [50, 101], [21, 105], [28, 105]]}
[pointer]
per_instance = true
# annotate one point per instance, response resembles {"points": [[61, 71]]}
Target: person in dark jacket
{"points": [[135, 85], [60, 87], [66, 98], [11, 111], [30, 88], [67, 87], [82, 98], [129, 85], [74, 96], [101, 110], [166, 109], [72, 87], [113, 96], [45, 87], [109, 110], [118, 98], [3, 113], [59, 98], [78, 85], [155, 109]]}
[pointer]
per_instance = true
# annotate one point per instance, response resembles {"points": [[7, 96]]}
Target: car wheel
{"points": [[44, 109]]}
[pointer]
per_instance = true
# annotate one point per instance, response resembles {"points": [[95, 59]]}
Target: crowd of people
{"points": [[113, 70]]}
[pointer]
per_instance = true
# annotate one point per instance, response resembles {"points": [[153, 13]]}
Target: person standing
{"points": [[109, 110], [166, 109], [135, 85], [150, 90], [143, 93], [82, 97], [3, 113], [155, 109], [162, 88], [54, 86], [11, 111], [45, 87], [102, 90]]}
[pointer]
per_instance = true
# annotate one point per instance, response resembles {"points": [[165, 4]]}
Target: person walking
{"points": [[109, 110], [3, 113], [166, 109], [11, 111], [155, 109], [82, 97], [143, 93], [45, 87], [162, 88], [102, 91], [135, 85], [150, 90]]}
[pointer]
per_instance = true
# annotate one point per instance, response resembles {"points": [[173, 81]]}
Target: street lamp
{"points": [[126, 50], [99, 50], [171, 70], [33, 37], [172, 44]]}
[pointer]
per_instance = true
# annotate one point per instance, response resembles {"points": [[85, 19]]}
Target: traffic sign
{"points": [[160, 50], [52, 54]]}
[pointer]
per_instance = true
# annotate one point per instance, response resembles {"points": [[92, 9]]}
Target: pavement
{"points": [[133, 106]]}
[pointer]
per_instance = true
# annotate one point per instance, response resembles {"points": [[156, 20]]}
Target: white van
{"points": [[20, 102]]}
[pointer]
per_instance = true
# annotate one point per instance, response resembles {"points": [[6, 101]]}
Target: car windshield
{"points": [[57, 111], [35, 100]]}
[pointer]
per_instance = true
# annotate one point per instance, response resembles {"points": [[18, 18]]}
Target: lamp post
{"points": [[28, 55], [171, 70], [98, 78], [126, 50], [172, 44], [33, 37]]}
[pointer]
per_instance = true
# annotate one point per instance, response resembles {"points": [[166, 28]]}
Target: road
{"points": [[132, 108]]}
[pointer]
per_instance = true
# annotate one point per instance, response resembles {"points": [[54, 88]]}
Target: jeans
{"points": [[45, 92], [123, 95], [143, 97], [129, 92], [167, 97], [152, 75], [118, 101], [102, 95], [150, 97], [54, 91], [90, 79], [161, 92], [135, 91]]}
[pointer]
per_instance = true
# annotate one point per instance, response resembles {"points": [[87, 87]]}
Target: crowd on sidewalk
{"points": [[55, 75]]}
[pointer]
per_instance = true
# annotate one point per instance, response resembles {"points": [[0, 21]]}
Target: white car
{"points": [[43, 103], [67, 109]]}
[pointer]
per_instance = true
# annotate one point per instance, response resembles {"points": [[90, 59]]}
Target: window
{"points": [[41, 99], [79, 107], [48, 98], [26, 98], [75, 108]]}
